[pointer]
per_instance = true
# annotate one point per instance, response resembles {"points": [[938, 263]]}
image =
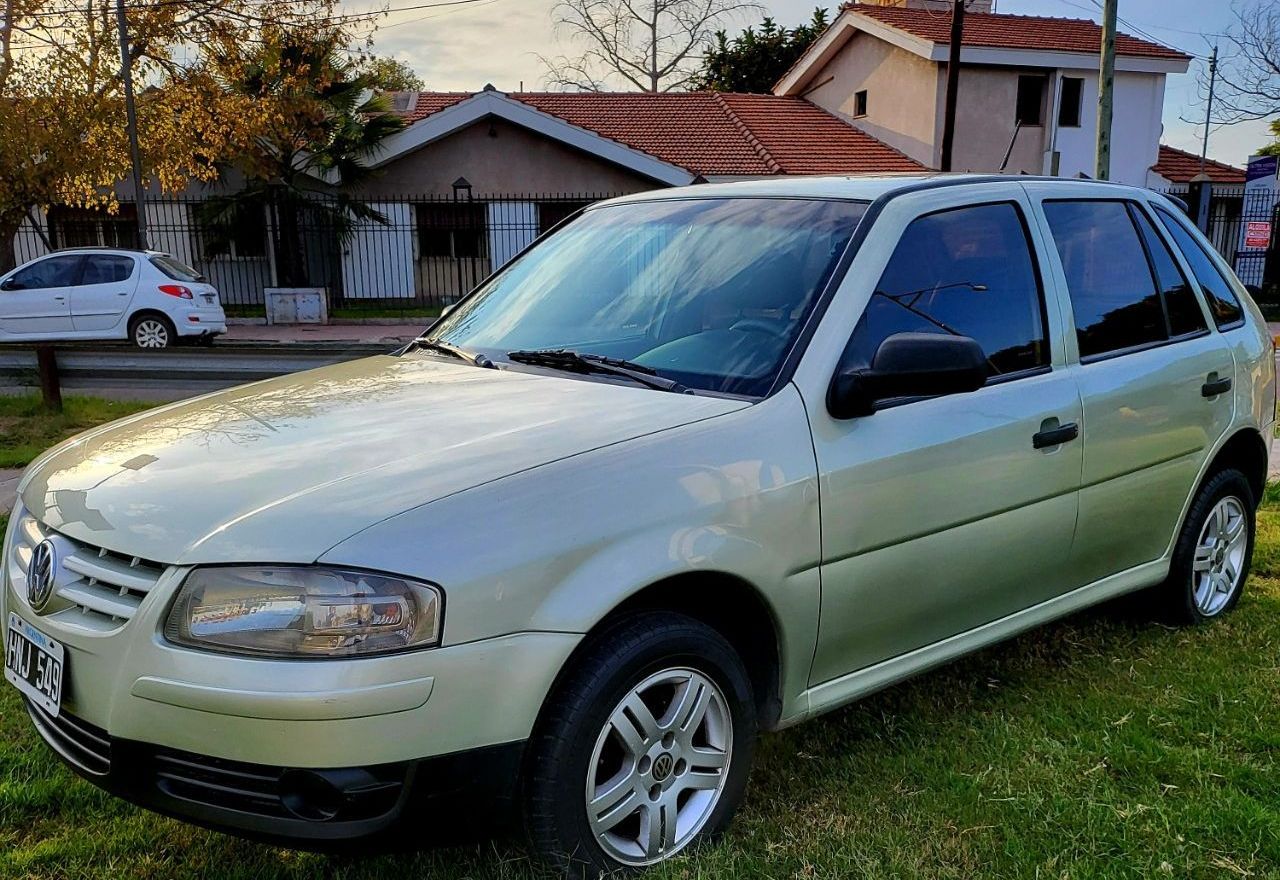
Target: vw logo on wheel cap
{"points": [[41, 573]]}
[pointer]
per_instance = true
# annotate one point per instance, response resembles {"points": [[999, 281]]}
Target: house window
{"points": [[552, 213], [243, 238], [1069, 105], [1030, 107], [449, 230], [860, 103], [93, 227]]}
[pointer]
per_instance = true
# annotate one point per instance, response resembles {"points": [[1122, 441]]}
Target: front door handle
{"points": [[1056, 436], [1215, 385]]}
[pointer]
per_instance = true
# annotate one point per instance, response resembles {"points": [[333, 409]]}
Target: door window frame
{"points": [[1130, 204], [1209, 252], [1041, 291], [78, 272]]}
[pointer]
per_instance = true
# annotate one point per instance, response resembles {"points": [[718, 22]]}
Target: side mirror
{"points": [[7, 284], [908, 365]]}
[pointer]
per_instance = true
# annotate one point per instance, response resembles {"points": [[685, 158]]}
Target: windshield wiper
{"points": [[566, 359], [478, 360]]}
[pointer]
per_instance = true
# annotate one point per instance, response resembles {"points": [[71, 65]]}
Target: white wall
{"points": [[377, 261], [1135, 129]]}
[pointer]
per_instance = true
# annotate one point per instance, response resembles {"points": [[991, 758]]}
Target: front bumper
{"points": [[380, 807]]}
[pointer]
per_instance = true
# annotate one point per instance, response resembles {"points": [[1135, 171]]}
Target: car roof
{"points": [[94, 249], [852, 187]]}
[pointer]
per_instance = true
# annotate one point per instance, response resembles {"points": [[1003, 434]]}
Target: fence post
{"points": [[47, 369], [1199, 193]]}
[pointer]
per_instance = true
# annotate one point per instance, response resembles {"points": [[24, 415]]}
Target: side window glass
{"points": [[1179, 299], [53, 272], [1217, 292], [1113, 293], [967, 272], [106, 269]]}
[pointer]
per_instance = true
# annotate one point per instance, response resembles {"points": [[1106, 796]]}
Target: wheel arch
{"points": [[727, 603], [1246, 451], [146, 312]]}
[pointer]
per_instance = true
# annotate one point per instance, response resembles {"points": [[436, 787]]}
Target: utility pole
{"points": [[953, 83], [131, 121], [1208, 111], [1106, 88]]}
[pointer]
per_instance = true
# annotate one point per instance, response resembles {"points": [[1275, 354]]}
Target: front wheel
{"points": [[644, 748], [1214, 551]]}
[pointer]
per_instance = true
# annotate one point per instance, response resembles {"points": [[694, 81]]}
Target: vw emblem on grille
{"points": [[41, 573]]}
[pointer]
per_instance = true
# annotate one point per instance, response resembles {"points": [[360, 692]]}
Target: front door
{"points": [[1154, 378], [942, 514], [34, 299], [106, 285]]}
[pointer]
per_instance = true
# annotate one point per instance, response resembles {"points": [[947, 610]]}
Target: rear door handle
{"points": [[1056, 436], [1215, 385]]}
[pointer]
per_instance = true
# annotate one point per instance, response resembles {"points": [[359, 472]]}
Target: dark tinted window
{"points": [[1030, 107], [1217, 292], [106, 269], [1070, 102], [1179, 299], [175, 269], [1113, 295], [447, 230], [53, 272], [968, 272]]}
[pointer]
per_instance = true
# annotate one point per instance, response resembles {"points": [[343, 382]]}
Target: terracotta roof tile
{"points": [[1179, 166], [1001, 31], [709, 133]]}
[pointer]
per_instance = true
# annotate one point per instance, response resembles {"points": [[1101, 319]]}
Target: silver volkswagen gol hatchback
{"points": [[701, 463]]}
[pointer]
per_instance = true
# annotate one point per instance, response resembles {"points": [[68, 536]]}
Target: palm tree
{"points": [[324, 123]]}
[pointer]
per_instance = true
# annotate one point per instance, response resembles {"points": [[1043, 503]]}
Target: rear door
{"points": [[1155, 380], [34, 299], [106, 286], [942, 514]]}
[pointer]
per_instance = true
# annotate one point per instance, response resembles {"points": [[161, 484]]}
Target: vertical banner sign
{"points": [[1261, 190]]}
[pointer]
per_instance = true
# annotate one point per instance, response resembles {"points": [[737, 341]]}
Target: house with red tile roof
{"points": [[1027, 96], [1175, 169]]}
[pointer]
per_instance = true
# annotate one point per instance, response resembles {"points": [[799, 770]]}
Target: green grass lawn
{"points": [[27, 429], [1100, 747]]}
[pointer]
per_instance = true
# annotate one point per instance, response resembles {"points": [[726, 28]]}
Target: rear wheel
{"points": [[152, 331], [1214, 551], [644, 749]]}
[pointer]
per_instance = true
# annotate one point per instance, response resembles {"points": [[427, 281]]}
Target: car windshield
{"points": [[175, 269], [711, 293]]}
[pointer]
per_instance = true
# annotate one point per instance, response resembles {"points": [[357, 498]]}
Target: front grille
{"points": [[103, 587], [84, 745], [247, 788]]}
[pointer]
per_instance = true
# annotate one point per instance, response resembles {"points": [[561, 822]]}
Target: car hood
{"points": [[280, 471]]}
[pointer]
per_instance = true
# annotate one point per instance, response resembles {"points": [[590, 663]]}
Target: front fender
{"points": [[556, 548]]}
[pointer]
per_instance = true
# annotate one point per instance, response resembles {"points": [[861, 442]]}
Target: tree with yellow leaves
{"points": [[62, 116]]}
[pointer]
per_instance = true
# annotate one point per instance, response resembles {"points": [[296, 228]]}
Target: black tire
{"points": [[560, 752], [150, 320], [1176, 597]]}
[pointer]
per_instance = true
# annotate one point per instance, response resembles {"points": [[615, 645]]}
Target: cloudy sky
{"points": [[499, 41]]}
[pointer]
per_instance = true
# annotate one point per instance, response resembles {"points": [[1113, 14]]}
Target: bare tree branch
{"points": [[1248, 86], [648, 45]]}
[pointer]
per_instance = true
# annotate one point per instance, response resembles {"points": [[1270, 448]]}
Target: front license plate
{"points": [[33, 663]]}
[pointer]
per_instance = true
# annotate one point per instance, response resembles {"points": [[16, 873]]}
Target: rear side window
{"points": [[967, 272], [1217, 291], [106, 269], [175, 269], [1180, 301], [1110, 278]]}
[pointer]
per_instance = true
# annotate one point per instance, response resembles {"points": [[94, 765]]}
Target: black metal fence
{"points": [[410, 257], [1245, 228]]}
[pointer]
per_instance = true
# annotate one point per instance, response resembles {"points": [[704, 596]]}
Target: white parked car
{"points": [[705, 462], [147, 297]]}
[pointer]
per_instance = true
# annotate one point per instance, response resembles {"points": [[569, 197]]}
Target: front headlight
{"points": [[303, 611]]}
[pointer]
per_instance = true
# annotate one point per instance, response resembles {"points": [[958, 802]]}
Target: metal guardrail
{"points": [[89, 366]]}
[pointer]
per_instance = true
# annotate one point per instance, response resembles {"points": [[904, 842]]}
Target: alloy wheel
{"points": [[151, 333], [659, 766], [1218, 565]]}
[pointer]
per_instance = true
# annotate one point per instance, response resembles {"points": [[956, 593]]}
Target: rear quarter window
{"points": [[1218, 294], [175, 269]]}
